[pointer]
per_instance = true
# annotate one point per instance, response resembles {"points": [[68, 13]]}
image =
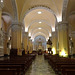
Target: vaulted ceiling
{"points": [[26, 11]]}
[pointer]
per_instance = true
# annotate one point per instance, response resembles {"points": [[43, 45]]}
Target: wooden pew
{"points": [[8, 72], [17, 64], [58, 62]]}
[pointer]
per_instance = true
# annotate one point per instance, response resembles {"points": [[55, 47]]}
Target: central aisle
{"points": [[40, 67]]}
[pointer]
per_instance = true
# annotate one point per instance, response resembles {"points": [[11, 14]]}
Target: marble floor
{"points": [[40, 67]]}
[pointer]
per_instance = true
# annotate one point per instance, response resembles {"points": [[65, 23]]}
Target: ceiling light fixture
{"points": [[1, 0], [50, 34], [39, 28], [53, 29], [40, 22], [39, 12]]}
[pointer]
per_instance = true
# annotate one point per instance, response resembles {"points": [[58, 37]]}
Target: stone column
{"points": [[29, 44], [1, 32], [54, 42], [63, 39], [57, 44], [73, 43], [5, 45], [34, 46], [26, 42], [16, 34]]}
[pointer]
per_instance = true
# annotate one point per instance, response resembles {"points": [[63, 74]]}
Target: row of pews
{"points": [[16, 65], [61, 65]]}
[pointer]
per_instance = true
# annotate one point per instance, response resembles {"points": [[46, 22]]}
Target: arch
{"points": [[33, 36], [40, 35], [42, 30], [30, 31], [38, 21], [39, 7], [43, 39]]}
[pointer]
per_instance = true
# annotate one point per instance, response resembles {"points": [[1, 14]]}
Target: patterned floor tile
{"points": [[40, 67]]}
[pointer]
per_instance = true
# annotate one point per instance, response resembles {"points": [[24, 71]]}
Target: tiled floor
{"points": [[40, 67]]}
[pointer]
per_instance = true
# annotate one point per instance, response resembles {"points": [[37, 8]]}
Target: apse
{"points": [[39, 41]]}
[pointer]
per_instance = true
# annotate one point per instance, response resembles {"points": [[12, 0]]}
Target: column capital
{"points": [[26, 34], [17, 23], [54, 34], [63, 25], [16, 26]]}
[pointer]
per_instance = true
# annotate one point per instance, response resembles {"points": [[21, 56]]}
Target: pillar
{"points": [[26, 42], [54, 42], [63, 39], [29, 44], [16, 34], [5, 45], [73, 43], [1, 33]]}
